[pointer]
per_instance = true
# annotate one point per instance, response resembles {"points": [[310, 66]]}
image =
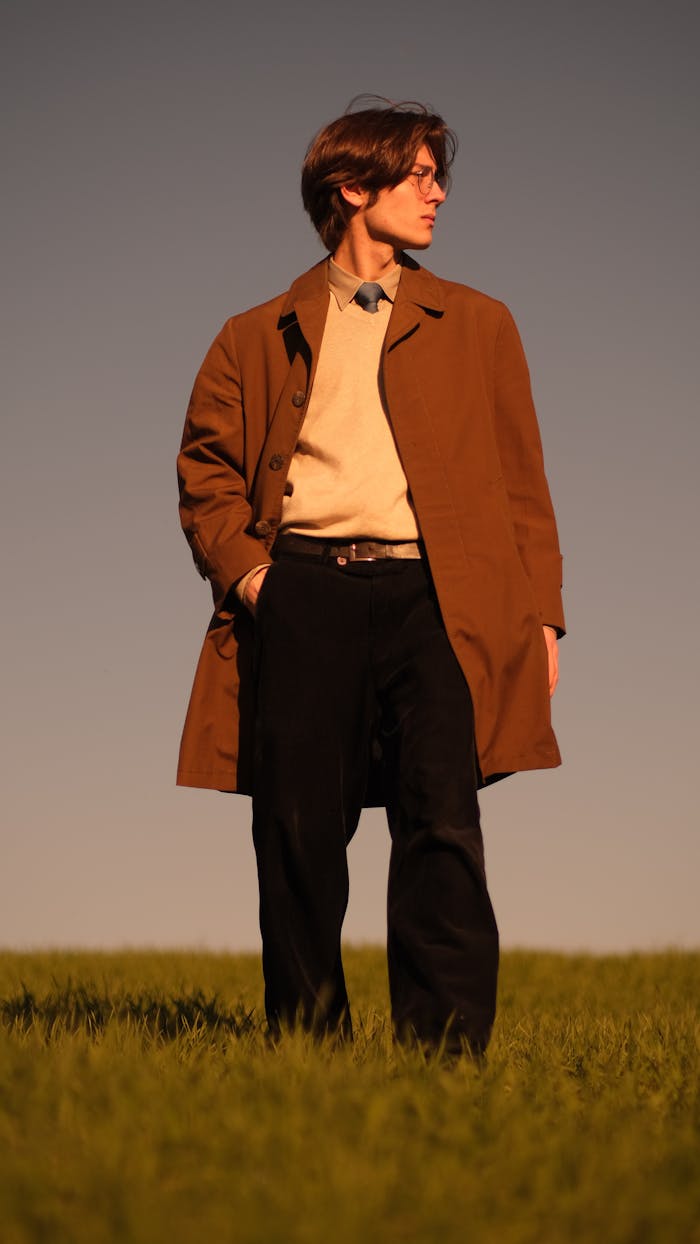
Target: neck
{"points": [[366, 258]]}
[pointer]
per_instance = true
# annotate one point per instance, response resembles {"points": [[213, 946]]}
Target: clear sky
{"points": [[151, 157]]}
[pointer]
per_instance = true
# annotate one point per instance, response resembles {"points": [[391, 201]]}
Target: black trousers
{"points": [[348, 655]]}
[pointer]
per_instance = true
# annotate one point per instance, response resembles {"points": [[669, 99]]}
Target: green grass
{"points": [[141, 1103]]}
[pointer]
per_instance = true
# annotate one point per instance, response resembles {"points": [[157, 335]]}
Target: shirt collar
{"points": [[345, 285]]}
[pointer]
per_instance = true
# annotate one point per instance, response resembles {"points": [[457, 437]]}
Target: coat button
{"points": [[262, 527], [298, 398], [276, 462]]}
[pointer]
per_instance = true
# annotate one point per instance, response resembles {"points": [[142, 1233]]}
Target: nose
{"points": [[436, 195]]}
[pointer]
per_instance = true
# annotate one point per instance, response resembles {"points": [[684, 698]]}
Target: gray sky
{"points": [[151, 156]]}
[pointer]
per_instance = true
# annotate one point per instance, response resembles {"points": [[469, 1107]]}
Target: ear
{"points": [[354, 195]]}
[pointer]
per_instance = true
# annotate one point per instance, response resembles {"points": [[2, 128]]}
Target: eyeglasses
{"points": [[426, 177]]}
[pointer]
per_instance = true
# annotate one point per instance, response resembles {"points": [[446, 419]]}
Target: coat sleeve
{"points": [[214, 508], [520, 451]]}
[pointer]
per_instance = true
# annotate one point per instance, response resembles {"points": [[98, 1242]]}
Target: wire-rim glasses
{"points": [[426, 177]]}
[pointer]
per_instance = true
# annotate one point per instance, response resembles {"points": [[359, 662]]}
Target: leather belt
{"points": [[352, 551]]}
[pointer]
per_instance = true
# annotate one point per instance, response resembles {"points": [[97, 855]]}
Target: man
{"points": [[362, 483]]}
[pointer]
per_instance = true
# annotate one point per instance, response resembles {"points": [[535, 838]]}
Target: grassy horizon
{"points": [[140, 1101]]}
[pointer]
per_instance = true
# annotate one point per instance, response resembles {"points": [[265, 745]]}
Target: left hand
{"points": [[550, 638]]}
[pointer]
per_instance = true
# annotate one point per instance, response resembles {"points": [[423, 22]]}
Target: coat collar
{"points": [[310, 287], [306, 304], [420, 287], [419, 294], [417, 286]]}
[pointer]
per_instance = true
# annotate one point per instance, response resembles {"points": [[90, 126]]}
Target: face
{"points": [[402, 216]]}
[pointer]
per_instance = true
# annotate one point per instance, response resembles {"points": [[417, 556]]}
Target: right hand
{"points": [[250, 600]]}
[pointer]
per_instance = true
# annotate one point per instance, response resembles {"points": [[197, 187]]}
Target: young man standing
{"points": [[362, 483]]}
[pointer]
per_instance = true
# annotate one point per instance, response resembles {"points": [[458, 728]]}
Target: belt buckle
{"points": [[353, 556]]}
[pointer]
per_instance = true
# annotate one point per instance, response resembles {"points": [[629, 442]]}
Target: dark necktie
{"points": [[369, 295]]}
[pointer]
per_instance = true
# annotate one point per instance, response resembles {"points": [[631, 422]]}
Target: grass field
{"points": [[140, 1103]]}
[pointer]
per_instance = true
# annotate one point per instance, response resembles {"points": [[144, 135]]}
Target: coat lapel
{"points": [[301, 324], [419, 294], [304, 313]]}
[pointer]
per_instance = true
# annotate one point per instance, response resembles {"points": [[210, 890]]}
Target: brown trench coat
{"points": [[457, 393]]}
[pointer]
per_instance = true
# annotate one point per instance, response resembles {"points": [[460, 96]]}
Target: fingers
{"points": [[252, 591], [550, 639], [553, 671]]}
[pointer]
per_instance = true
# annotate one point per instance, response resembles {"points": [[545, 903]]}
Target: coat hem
{"points": [[225, 781]]}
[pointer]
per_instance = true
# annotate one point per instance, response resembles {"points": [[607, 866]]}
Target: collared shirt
{"points": [[345, 285]]}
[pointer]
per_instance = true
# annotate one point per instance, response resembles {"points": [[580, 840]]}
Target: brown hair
{"points": [[370, 147]]}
